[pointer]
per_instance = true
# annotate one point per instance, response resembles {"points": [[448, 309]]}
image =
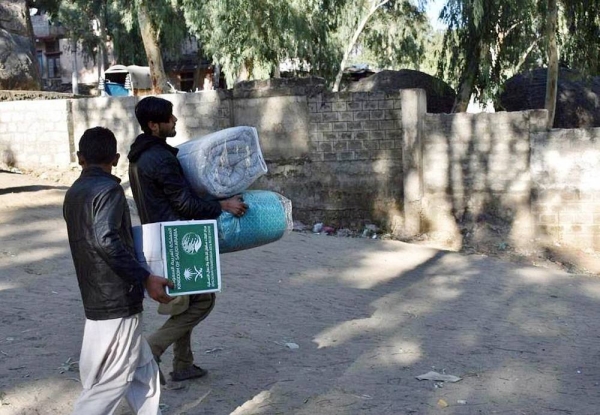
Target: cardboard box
{"points": [[185, 252]]}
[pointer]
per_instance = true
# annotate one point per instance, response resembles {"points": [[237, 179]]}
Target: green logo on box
{"points": [[191, 258]]}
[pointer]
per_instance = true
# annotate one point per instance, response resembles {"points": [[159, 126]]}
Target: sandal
{"points": [[192, 372]]}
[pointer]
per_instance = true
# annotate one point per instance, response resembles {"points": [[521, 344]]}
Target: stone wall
{"points": [[477, 170], [198, 115], [565, 168], [338, 157], [35, 134], [347, 159], [343, 163]]}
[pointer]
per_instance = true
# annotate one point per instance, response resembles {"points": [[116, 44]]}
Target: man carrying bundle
{"points": [[161, 194]]}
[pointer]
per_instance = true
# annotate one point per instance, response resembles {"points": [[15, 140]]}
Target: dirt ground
{"points": [[316, 324]]}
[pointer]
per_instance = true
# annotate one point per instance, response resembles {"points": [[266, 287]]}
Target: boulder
{"points": [[18, 63], [577, 97], [440, 96]]}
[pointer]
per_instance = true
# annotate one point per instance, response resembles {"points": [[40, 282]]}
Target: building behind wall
{"points": [[187, 71], [55, 56]]}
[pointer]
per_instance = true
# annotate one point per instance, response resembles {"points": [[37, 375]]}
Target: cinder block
{"points": [[340, 126]]}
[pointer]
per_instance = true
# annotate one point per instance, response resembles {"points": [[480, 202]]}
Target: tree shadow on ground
{"points": [[23, 189]]}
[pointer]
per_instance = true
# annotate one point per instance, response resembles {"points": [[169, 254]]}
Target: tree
{"points": [[19, 68], [552, 78], [365, 11], [579, 36], [252, 37], [397, 36], [150, 37], [486, 42]]}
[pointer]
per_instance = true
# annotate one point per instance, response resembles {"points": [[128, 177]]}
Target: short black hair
{"points": [[153, 109], [98, 145]]}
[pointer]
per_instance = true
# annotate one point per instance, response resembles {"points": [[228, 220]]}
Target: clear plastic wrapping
{"points": [[223, 163]]}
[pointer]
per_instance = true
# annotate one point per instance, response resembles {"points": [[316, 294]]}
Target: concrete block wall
{"points": [[347, 159], [35, 134], [565, 167], [349, 170], [476, 168], [198, 114]]}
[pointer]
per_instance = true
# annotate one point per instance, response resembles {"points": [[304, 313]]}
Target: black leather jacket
{"points": [[160, 190], [99, 229]]}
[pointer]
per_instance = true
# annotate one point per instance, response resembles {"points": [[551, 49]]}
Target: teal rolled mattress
{"points": [[268, 219]]}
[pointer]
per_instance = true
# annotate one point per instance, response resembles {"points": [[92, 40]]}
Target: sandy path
{"points": [[368, 316]]}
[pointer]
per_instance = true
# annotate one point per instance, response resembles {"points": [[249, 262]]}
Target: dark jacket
{"points": [[160, 190], [99, 228]]}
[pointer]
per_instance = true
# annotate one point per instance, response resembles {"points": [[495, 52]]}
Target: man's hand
{"points": [[155, 286], [234, 205]]}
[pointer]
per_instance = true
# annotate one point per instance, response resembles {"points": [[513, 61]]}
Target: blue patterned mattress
{"points": [[268, 218]]}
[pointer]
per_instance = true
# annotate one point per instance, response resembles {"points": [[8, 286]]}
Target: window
{"points": [[52, 46], [53, 65], [186, 81], [40, 58]]}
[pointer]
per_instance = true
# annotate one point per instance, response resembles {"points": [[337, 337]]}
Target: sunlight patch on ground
{"points": [[380, 267], [340, 334], [511, 381], [45, 232], [254, 405], [8, 286], [400, 352], [39, 254], [445, 293], [591, 290], [535, 276], [41, 397]]}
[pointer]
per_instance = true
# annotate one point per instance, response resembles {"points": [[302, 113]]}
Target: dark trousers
{"points": [[177, 331]]}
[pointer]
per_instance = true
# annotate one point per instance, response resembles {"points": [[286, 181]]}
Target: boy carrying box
{"points": [[115, 360]]}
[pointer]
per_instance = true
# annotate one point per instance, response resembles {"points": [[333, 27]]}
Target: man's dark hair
{"points": [[98, 145], [153, 109]]}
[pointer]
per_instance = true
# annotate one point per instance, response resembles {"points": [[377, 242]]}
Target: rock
{"points": [[440, 96], [18, 62], [576, 99]]}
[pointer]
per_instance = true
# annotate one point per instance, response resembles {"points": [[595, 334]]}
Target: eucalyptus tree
{"points": [[389, 31], [486, 42], [579, 34], [250, 38], [397, 36]]}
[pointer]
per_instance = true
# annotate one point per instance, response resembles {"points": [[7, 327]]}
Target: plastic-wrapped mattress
{"points": [[268, 218], [223, 163]]}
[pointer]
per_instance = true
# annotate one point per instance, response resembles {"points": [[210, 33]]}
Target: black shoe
{"points": [[161, 377], [192, 372]]}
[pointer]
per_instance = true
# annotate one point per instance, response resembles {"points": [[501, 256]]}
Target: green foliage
{"points": [[492, 40], [395, 36], [487, 41], [580, 35], [259, 34]]}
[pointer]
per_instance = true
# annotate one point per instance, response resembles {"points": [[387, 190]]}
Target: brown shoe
{"points": [[192, 372]]}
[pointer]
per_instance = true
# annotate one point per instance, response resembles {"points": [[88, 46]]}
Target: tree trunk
{"points": [[152, 48], [217, 76], [552, 79], [467, 81], [102, 37], [74, 68], [357, 32]]}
